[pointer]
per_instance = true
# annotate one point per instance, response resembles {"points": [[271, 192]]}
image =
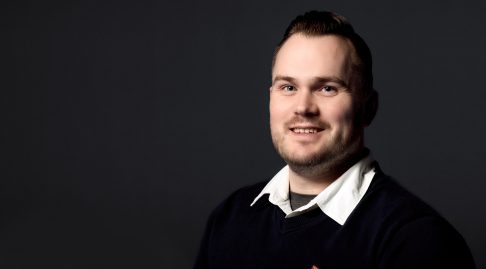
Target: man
{"points": [[331, 206]]}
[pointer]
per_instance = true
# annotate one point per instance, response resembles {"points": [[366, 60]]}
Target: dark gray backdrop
{"points": [[125, 122]]}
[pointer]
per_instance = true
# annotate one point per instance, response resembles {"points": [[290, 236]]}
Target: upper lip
{"points": [[306, 127]]}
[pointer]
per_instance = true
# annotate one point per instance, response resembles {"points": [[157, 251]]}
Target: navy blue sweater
{"points": [[390, 228]]}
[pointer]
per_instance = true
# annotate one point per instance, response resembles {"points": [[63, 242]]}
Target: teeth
{"points": [[305, 130]]}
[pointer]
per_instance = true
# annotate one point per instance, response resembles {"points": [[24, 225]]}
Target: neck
{"points": [[314, 181]]}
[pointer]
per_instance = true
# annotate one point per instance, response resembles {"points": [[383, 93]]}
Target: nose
{"points": [[306, 105]]}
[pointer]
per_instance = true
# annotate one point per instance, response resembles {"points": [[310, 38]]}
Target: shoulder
{"points": [[396, 207], [387, 197], [238, 202], [413, 234], [244, 195]]}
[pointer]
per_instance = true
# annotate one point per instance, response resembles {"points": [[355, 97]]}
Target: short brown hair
{"points": [[319, 23]]}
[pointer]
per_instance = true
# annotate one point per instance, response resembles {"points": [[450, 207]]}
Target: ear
{"points": [[370, 107]]}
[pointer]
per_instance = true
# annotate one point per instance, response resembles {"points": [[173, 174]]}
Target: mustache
{"points": [[295, 121]]}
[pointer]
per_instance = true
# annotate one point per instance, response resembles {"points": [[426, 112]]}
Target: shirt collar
{"points": [[337, 200]]}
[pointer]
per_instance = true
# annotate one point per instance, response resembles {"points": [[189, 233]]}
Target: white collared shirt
{"points": [[337, 200]]}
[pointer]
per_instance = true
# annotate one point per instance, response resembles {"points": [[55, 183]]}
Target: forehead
{"points": [[314, 56]]}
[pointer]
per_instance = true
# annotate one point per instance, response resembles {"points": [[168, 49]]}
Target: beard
{"points": [[333, 158]]}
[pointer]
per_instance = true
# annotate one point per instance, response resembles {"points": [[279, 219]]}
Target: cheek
{"points": [[278, 111], [340, 112]]}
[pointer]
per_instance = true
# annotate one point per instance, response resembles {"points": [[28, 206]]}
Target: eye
{"points": [[328, 90], [288, 88]]}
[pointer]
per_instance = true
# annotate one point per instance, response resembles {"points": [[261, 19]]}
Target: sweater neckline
{"points": [[313, 216]]}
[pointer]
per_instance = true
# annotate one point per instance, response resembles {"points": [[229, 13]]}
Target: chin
{"points": [[303, 159], [323, 160]]}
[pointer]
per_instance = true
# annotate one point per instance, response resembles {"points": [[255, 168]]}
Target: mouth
{"points": [[306, 130]]}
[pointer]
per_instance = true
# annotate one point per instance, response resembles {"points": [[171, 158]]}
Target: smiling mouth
{"points": [[310, 130]]}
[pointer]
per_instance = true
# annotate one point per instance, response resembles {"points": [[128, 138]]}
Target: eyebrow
{"points": [[315, 80]]}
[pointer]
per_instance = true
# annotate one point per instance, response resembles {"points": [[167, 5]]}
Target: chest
{"points": [[269, 240]]}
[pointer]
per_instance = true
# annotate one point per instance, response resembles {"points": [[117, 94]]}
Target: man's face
{"points": [[312, 101]]}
